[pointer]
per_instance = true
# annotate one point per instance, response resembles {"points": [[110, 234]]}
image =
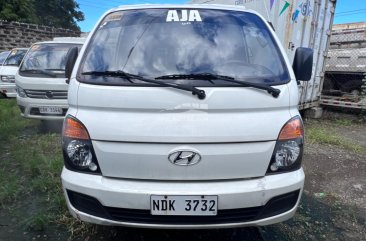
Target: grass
{"points": [[10, 183], [344, 122], [325, 134], [10, 126], [325, 131], [38, 221], [30, 169], [9, 186]]}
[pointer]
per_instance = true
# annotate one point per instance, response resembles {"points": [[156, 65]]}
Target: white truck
{"points": [[8, 69], [183, 116], [297, 23], [40, 81]]}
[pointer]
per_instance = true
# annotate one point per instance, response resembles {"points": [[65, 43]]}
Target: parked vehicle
{"points": [[297, 23], [41, 86], [3, 56], [183, 116], [8, 71], [345, 82]]}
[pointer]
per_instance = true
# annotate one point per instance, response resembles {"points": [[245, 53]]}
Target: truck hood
{"points": [[37, 83], [134, 130], [8, 70], [166, 115]]}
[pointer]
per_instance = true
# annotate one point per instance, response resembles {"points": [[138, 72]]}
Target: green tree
{"points": [[58, 13], [17, 10]]}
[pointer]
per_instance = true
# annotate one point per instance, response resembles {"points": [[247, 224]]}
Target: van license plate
{"points": [[183, 205], [50, 110]]}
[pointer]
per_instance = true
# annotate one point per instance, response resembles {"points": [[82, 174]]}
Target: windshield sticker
{"points": [[183, 16], [13, 52], [113, 17], [35, 47]]}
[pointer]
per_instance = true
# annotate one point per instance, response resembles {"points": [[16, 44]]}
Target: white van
{"points": [[8, 70], [183, 116], [41, 86]]}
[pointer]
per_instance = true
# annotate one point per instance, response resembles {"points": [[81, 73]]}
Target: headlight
{"points": [[8, 78], [77, 147], [21, 92], [288, 151]]}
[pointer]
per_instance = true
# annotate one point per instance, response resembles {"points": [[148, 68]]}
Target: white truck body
{"points": [[297, 23], [130, 143]]}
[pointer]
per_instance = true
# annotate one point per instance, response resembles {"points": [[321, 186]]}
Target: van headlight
{"points": [[77, 147], [287, 154], [21, 92], [8, 78]]}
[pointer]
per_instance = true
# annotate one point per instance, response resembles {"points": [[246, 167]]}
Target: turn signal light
{"points": [[292, 130], [74, 129]]}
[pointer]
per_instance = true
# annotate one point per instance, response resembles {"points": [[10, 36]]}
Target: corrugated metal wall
{"points": [[298, 23]]}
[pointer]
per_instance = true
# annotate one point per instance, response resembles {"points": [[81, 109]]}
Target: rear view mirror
{"points": [[72, 55], [303, 63]]}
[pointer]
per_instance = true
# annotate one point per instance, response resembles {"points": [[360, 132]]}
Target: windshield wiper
{"points": [[40, 71], [208, 76], [200, 93]]}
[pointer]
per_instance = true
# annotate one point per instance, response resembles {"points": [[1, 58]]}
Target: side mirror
{"points": [[303, 64], [72, 55], [19, 61]]}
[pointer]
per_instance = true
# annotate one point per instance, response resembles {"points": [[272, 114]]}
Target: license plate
{"points": [[50, 110], [183, 205]]}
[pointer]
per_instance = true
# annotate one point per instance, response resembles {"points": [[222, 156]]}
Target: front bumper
{"points": [[133, 197], [8, 89], [29, 108]]}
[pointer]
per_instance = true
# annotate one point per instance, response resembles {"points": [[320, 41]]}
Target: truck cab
{"points": [[8, 70], [183, 116], [40, 81]]}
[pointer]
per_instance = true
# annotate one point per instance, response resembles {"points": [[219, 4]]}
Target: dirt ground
{"points": [[333, 206]]}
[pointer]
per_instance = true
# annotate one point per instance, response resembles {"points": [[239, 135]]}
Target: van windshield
{"points": [[15, 57], [158, 42], [46, 60]]}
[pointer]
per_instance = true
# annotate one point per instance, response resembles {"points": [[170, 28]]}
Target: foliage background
{"points": [[55, 13]]}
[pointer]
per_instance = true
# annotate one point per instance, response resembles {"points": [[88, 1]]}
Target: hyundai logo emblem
{"points": [[49, 94], [184, 158]]}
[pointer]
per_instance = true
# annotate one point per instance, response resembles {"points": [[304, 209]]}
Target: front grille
{"points": [[92, 206], [47, 94]]}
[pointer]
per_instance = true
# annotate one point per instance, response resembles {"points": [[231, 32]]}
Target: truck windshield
{"points": [[158, 42], [3, 56], [46, 60], [15, 57]]}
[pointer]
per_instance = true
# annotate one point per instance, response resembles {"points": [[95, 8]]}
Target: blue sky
{"points": [[347, 11]]}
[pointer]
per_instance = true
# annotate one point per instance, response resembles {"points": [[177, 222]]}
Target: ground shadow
{"points": [[318, 221], [50, 127], [133, 234]]}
